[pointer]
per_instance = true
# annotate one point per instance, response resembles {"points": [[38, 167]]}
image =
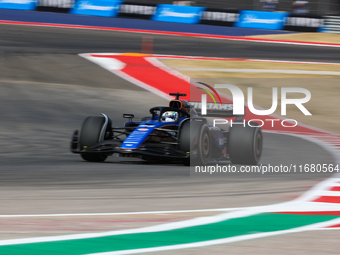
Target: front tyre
{"points": [[194, 138], [92, 133], [204, 146], [245, 144], [184, 140], [94, 157]]}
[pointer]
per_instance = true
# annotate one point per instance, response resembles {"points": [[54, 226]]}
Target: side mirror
{"points": [[128, 116]]}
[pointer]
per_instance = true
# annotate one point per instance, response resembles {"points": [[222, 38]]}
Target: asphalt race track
{"points": [[46, 92], [24, 39]]}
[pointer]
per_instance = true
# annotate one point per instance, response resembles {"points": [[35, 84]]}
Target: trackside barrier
{"points": [[262, 20], [18, 5], [137, 10], [305, 23], [332, 24], [106, 8], [179, 14], [62, 6], [219, 17]]}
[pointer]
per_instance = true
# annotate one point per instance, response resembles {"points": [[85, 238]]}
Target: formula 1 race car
{"points": [[176, 133]]}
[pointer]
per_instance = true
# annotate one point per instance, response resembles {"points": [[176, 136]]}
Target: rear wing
{"points": [[215, 110]]}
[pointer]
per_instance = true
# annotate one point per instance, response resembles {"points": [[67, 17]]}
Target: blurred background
{"points": [[317, 7], [47, 90]]}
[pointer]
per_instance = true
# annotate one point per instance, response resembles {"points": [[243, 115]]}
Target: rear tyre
{"points": [[92, 133], [245, 144]]}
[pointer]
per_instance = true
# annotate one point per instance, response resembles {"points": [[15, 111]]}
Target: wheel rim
{"points": [[258, 145], [205, 145]]}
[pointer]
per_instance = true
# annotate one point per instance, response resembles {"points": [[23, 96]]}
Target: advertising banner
{"points": [[18, 4], [262, 20], [106, 8], [178, 13]]}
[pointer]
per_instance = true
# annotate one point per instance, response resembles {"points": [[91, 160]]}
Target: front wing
{"points": [[149, 149]]}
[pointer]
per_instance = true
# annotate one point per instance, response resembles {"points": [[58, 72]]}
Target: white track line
{"points": [[237, 59], [114, 67], [122, 213], [235, 70], [217, 58], [301, 204], [316, 226]]}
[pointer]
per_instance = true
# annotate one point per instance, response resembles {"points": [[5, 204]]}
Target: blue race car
{"points": [[176, 133]]}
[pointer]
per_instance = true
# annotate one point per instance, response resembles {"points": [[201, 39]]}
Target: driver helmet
{"points": [[170, 116]]}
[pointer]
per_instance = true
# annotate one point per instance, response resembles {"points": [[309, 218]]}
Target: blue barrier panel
{"points": [[178, 13], [262, 20], [106, 8], [18, 4]]}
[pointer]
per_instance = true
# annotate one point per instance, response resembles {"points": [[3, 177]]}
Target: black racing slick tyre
{"points": [[194, 137], [184, 140], [90, 135], [245, 144], [204, 146]]}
